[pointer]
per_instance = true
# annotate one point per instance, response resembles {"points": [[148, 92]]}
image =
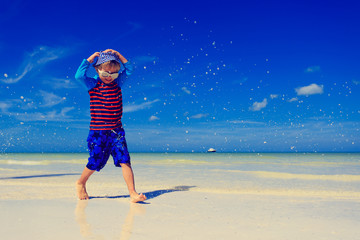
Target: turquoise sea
{"points": [[313, 174]]}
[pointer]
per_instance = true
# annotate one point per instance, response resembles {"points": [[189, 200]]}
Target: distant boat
{"points": [[211, 150]]}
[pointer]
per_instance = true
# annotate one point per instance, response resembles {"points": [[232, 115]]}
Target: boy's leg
{"points": [[81, 184], [121, 157], [99, 150], [129, 180]]}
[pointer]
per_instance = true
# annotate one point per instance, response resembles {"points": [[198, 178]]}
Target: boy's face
{"points": [[110, 70]]}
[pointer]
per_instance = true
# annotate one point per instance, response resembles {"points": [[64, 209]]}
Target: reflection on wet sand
{"points": [[126, 229], [80, 217], [134, 209]]}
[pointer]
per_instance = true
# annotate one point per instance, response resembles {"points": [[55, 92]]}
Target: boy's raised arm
{"points": [[80, 74], [92, 57]]}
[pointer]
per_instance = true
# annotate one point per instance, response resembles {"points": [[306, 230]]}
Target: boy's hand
{"points": [[92, 57], [121, 57], [112, 51]]}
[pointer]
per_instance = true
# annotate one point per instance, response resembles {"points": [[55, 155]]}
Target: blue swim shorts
{"points": [[102, 143]]}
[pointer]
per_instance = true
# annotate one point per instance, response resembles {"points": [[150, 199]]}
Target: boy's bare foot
{"points": [[135, 197], [81, 191]]}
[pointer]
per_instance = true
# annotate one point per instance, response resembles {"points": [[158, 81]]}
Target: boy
{"points": [[106, 135]]}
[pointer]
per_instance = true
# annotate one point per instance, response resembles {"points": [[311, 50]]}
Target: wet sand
{"points": [[40, 203]]}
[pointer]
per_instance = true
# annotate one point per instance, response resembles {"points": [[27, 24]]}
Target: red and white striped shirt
{"points": [[105, 106]]}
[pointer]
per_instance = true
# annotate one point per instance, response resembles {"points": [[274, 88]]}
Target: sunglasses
{"points": [[106, 74]]}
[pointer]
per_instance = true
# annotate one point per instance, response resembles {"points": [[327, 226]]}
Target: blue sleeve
{"points": [[80, 75], [123, 76]]}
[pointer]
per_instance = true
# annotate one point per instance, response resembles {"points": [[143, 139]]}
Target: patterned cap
{"points": [[105, 57]]}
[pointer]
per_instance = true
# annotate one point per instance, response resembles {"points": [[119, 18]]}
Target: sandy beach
{"points": [[188, 198]]}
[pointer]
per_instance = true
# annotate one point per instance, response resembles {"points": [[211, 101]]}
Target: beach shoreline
{"points": [[189, 197]]}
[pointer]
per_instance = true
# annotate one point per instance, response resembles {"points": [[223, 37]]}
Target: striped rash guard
{"points": [[105, 99]]}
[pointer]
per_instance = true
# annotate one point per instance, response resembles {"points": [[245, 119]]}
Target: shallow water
{"points": [[330, 174]]}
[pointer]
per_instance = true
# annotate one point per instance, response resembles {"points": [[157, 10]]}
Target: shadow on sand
{"points": [[152, 194], [40, 176]]}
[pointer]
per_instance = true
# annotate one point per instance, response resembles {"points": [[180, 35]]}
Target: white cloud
{"points": [[310, 90], [35, 59], [257, 106], [312, 69], [10, 80], [22, 103], [65, 110], [154, 118], [200, 115], [60, 83], [48, 116], [137, 107], [273, 96], [4, 106], [186, 90], [50, 99], [294, 99], [245, 122]]}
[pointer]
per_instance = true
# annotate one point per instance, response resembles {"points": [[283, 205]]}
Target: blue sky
{"points": [[244, 76]]}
